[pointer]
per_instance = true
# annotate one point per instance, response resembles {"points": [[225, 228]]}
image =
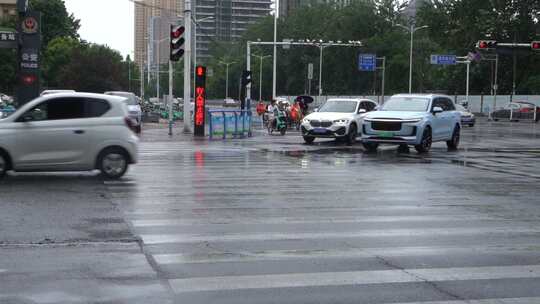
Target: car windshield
{"points": [[339, 106], [406, 104]]}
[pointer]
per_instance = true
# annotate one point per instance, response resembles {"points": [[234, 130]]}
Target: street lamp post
{"points": [[411, 29], [274, 67], [261, 58], [227, 64]]}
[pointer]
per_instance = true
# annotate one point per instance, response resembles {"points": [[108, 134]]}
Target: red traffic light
{"points": [[177, 31], [29, 79], [486, 44], [535, 45], [200, 71]]}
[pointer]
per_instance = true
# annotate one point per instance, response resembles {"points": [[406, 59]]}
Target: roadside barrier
{"points": [[235, 123]]}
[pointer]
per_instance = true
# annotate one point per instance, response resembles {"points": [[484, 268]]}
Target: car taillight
{"points": [[130, 124]]}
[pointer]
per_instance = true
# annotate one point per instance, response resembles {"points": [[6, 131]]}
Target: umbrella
{"points": [[305, 99]]}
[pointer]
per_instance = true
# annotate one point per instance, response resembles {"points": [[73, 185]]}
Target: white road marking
{"points": [[280, 255], [334, 220], [150, 239], [533, 300], [352, 278]]}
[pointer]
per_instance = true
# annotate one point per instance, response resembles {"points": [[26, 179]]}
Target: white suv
{"points": [[337, 118], [417, 120], [69, 132]]}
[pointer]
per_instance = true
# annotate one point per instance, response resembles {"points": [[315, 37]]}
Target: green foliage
{"points": [[454, 28], [55, 19]]}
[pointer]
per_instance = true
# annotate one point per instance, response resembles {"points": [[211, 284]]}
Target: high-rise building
{"points": [[225, 20], [152, 20], [8, 8], [287, 6]]}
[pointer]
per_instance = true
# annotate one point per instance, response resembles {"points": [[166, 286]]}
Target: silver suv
{"points": [[417, 120]]}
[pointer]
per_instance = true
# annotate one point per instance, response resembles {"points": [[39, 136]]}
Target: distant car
{"points": [[337, 118], [229, 102], [69, 132], [518, 110], [467, 118], [417, 120], [133, 103], [48, 92]]}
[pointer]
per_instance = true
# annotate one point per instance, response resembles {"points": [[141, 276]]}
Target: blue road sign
{"points": [[443, 59], [367, 62]]}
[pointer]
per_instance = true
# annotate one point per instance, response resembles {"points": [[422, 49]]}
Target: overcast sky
{"points": [[107, 22]]}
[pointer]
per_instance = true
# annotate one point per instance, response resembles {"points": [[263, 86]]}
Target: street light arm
{"points": [[408, 29], [421, 28]]}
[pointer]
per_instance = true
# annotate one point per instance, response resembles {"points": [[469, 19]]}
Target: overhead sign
{"points": [[367, 62], [199, 112], [310, 71], [443, 59]]}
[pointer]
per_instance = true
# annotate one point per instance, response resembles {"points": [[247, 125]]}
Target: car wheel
{"points": [[3, 165], [113, 163], [453, 143], [353, 133], [371, 147], [425, 144], [309, 139]]}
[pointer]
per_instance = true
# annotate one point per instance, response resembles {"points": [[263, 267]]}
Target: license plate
{"points": [[319, 130], [386, 134]]}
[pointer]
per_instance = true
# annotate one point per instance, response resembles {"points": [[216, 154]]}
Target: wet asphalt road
{"points": [[270, 220]]}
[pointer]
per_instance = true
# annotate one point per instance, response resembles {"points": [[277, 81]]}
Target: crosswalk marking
{"points": [[337, 221], [352, 278], [279, 255], [191, 238], [208, 236], [531, 300]]}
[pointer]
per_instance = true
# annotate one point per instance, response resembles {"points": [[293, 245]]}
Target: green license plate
{"points": [[386, 134]]}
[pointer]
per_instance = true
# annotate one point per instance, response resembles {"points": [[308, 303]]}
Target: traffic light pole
{"points": [[171, 118], [187, 68]]}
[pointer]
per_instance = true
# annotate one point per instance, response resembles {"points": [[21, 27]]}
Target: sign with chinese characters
{"points": [[367, 62], [443, 59], [199, 112], [8, 40], [30, 59]]}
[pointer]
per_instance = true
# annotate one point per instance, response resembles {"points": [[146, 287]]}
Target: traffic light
{"points": [[177, 42], [199, 110], [246, 78], [486, 45], [535, 46]]}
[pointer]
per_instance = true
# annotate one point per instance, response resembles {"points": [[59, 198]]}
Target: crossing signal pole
{"points": [[187, 67]]}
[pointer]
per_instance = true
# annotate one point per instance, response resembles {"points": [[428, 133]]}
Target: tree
{"points": [[55, 19]]}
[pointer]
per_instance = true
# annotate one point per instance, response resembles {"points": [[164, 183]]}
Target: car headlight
{"points": [[341, 121], [305, 121]]}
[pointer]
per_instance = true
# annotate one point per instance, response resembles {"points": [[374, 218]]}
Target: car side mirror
{"points": [[362, 111], [437, 110], [316, 110]]}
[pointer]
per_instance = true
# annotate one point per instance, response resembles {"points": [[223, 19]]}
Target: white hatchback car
{"points": [[337, 118], [69, 132]]}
